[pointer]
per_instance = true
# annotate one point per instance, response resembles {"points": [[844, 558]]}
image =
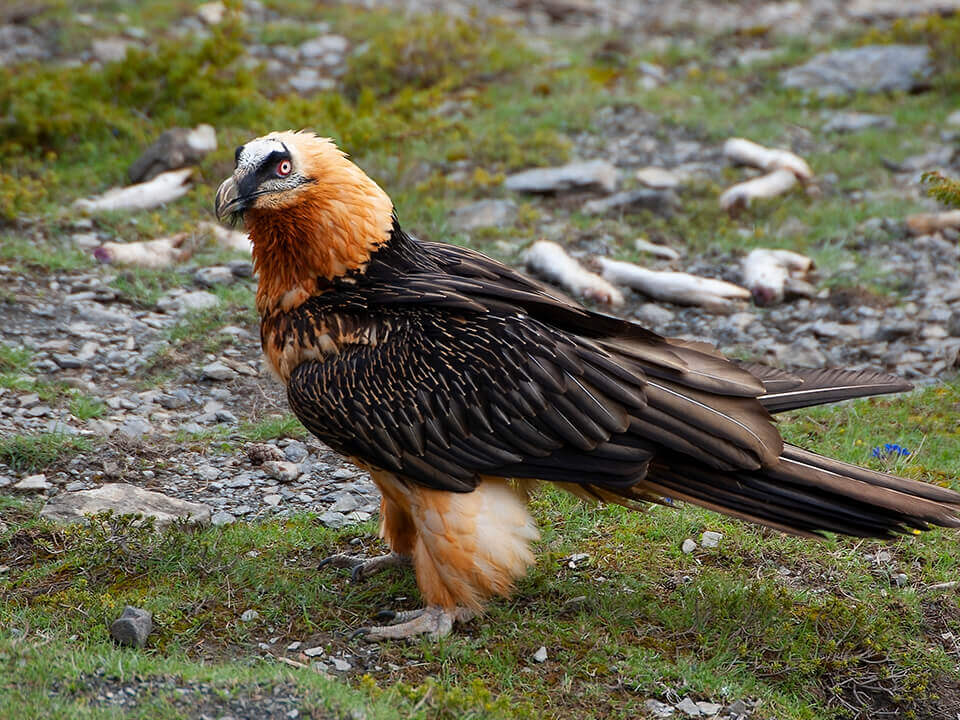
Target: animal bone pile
{"points": [[769, 275]]}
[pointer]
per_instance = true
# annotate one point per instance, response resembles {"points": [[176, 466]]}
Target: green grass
{"points": [[85, 407], [32, 453]]}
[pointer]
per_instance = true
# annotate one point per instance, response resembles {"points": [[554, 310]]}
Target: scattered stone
{"points": [[295, 451], [214, 275], [591, 175], [313, 652], [110, 50], [341, 665], [654, 315], [333, 520], [33, 483], [848, 122], [132, 627], [285, 472], [709, 708], [135, 427], [954, 118], [485, 213], [249, 616], [124, 499], [309, 80], [688, 707], [872, 69], [540, 655], [737, 708], [658, 178], [710, 539], [272, 499], [222, 518], [688, 546], [660, 201], [184, 303], [218, 371], [212, 13], [901, 580], [658, 709]]}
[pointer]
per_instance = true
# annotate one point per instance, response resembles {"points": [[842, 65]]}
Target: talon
{"points": [[359, 632], [357, 574], [386, 615]]}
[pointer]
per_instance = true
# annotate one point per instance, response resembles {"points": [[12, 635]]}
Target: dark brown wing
{"points": [[450, 393]]}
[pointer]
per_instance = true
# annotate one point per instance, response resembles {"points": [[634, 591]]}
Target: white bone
{"points": [[747, 152], [162, 189], [552, 263], [226, 238], [927, 223], [765, 186], [676, 287], [767, 273], [159, 253]]}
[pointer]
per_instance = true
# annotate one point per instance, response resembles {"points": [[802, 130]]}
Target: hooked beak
{"points": [[228, 202]]}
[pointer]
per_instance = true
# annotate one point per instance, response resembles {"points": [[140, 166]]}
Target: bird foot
{"points": [[362, 568], [435, 622]]}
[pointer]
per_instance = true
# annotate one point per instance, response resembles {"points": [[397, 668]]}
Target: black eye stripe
{"points": [[269, 165], [236, 154]]}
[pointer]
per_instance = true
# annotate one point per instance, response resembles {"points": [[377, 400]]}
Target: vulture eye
{"points": [[283, 168]]}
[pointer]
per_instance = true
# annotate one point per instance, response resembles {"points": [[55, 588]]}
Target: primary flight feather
{"points": [[459, 383]]}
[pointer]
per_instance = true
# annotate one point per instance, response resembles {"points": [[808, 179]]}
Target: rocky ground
{"points": [[154, 378]]}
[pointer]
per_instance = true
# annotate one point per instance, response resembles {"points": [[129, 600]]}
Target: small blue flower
{"points": [[889, 449]]}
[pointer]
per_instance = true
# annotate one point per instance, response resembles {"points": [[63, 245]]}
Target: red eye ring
{"points": [[283, 168]]}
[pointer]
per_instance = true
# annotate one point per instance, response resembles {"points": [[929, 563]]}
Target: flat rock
{"points": [[658, 178], [175, 148], [33, 483], [658, 709], [188, 302], [689, 708], [848, 122], [590, 175], [214, 275], [218, 370], [710, 539], [310, 80], [688, 546], [111, 49], [123, 499], [871, 69], [484, 213], [661, 201]]}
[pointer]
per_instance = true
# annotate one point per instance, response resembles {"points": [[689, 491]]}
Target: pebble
{"points": [[222, 518], [658, 178], [901, 580], [688, 546], [132, 627], [341, 665], [540, 655], [249, 615], [592, 175], [218, 371], [689, 708], [313, 652], [709, 708], [332, 520], [183, 303], [33, 483], [661, 201], [710, 539], [484, 213], [282, 470], [658, 709], [870, 68]]}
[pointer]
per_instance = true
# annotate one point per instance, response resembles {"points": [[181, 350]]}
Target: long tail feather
{"points": [[807, 494], [806, 388]]}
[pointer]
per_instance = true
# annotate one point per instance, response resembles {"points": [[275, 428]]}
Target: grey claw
{"points": [[359, 632], [386, 615]]}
